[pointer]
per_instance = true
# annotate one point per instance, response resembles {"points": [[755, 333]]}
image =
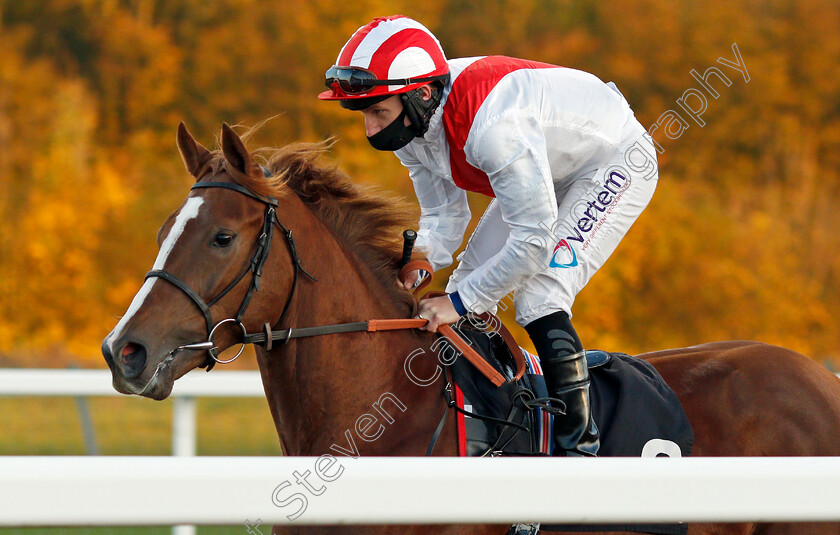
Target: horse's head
{"points": [[210, 264]]}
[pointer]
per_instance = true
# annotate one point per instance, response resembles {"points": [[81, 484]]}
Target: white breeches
{"points": [[594, 214]]}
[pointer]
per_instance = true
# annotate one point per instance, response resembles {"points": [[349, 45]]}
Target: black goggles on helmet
{"points": [[357, 81]]}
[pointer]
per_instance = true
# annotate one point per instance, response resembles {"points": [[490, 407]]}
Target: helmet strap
{"points": [[420, 111]]}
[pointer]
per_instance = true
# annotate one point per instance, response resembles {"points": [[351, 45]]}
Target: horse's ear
{"points": [[236, 154], [192, 152]]}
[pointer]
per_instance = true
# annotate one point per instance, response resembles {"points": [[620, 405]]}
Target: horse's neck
{"points": [[347, 391]]}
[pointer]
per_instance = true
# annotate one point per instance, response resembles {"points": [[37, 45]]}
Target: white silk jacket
{"points": [[525, 133]]}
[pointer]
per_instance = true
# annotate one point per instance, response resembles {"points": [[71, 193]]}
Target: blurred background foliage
{"points": [[740, 241]]}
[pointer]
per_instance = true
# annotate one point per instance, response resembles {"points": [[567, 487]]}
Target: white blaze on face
{"points": [[187, 213]]}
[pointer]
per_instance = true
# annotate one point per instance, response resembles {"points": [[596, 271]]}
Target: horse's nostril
{"points": [[129, 349], [132, 359]]}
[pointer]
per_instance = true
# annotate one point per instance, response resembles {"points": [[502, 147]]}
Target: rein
{"points": [[267, 337]]}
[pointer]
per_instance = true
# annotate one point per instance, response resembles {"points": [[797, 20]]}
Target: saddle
{"points": [[637, 413], [496, 390]]}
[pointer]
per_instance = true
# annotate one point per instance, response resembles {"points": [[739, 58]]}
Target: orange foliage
{"points": [[740, 240]]}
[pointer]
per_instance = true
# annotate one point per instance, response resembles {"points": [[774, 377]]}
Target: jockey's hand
{"points": [[439, 311], [412, 279]]}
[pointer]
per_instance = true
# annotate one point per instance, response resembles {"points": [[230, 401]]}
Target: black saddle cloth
{"points": [[635, 410]]}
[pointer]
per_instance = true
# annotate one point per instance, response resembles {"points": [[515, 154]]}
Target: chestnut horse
{"points": [[304, 247]]}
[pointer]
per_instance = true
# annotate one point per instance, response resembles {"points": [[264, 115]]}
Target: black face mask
{"points": [[394, 136]]}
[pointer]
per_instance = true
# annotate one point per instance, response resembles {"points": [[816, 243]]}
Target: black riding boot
{"points": [[567, 378]]}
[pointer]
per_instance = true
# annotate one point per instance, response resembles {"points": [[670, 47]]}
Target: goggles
{"points": [[357, 81]]}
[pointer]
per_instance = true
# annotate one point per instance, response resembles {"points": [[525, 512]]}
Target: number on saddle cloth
{"points": [[636, 411]]}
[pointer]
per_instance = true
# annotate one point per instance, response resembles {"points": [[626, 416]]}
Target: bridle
{"points": [[268, 335], [254, 266]]}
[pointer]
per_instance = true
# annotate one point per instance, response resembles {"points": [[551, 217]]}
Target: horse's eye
{"points": [[223, 239]]}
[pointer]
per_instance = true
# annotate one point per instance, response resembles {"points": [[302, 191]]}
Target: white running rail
{"points": [[75, 490], [411, 490], [49, 382], [56, 382]]}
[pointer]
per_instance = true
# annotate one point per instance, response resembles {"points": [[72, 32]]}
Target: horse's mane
{"points": [[369, 219]]}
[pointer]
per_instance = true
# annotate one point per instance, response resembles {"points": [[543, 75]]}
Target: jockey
{"points": [[568, 165]]}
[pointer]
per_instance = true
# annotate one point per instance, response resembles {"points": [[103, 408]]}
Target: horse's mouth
{"points": [[157, 385]]}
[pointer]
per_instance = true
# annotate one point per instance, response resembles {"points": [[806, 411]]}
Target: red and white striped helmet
{"points": [[388, 56]]}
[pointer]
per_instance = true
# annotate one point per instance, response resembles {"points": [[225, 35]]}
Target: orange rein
{"points": [[449, 333]]}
